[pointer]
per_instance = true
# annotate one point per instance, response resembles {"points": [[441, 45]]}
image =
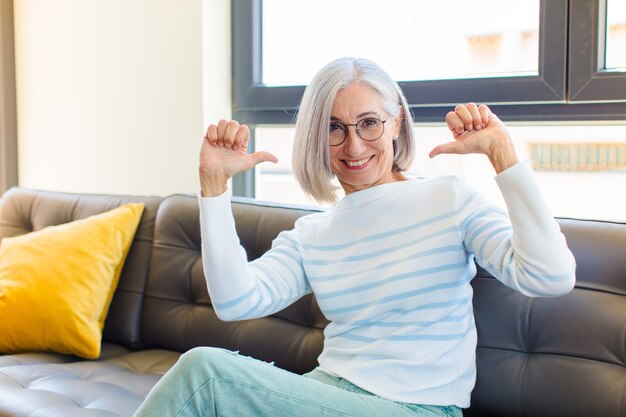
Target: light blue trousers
{"points": [[218, 382]]}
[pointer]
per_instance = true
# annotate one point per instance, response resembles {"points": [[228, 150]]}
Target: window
{"points": [[537, 79], [562, 92]]}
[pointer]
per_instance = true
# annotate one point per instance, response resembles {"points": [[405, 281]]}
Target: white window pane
{"points": [[412, 40], [616, 35], [275, 182], [588, 188]]}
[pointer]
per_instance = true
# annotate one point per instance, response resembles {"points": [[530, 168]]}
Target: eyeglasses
{"points": [[368, 129]]}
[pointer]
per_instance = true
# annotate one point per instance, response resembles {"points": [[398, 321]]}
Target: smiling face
{"points": [[359, 164]]}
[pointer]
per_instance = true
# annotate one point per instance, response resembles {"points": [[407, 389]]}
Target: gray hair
{"points": [[311, 153]]}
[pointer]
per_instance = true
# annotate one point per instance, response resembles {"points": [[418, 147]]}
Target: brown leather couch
{"points": [[551, 357]]}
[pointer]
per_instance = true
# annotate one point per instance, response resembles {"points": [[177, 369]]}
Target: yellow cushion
{"points": [[56, 284]]}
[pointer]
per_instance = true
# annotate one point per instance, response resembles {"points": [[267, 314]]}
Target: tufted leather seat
{"points": [[551, 357], [109, 387]]}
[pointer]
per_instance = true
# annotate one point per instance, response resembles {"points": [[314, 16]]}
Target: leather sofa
{"points": [[553, 357]]}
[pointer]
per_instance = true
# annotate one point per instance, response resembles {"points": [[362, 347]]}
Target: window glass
{"points": [[275, 182], [580, 168], [406, 37], [616, 35]]}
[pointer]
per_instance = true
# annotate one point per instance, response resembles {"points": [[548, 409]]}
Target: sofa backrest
{"points": [[177, 310], [24, 210], [563, 356]]}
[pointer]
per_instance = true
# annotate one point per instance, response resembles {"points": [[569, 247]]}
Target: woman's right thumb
{"points": [[263, 156]]}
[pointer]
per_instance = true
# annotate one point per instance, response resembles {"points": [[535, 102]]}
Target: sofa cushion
{"points": [[56, 283], [111, 387], [23, 210], [108, 350], [176, 292]]}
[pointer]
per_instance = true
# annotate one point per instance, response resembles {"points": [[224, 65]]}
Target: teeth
{"points": [[357, 163]]}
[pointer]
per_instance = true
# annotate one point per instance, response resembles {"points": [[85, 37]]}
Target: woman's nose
{"points": [[353, 144]]}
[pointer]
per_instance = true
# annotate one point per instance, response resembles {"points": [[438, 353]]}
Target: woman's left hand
{"points": [[477, 130]]}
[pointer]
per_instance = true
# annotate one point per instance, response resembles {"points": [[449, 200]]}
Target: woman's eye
{"points": [[369, 122], [334, 127]]}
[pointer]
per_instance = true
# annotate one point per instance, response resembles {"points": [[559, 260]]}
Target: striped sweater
{"points": [[391, 267]]}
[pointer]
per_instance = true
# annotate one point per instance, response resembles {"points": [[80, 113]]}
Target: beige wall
{"points": [[113, 95]]}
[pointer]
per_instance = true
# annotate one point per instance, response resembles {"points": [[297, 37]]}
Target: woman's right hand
{"points": [[224, 153]]}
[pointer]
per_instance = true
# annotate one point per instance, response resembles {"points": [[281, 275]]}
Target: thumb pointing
{"points": [[262, 156], [450, 147]]}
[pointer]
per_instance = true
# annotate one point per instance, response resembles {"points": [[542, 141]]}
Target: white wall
{"points": [[113, 95]]}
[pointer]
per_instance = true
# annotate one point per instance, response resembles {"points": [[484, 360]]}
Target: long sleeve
{"points": [[526, 249], [240, 289]]}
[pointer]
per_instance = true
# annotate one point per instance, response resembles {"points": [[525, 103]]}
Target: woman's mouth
{"points": [[357, 164]]}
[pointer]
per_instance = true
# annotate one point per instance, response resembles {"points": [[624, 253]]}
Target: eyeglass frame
{"points": [[345, 131]]}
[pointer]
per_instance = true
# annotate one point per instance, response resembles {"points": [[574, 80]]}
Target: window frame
{"points": [[588, 79]]}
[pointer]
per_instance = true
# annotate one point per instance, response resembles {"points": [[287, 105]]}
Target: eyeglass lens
{"points": [[370, 129]]}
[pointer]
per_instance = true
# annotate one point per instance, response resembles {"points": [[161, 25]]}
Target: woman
{"points": [[390, 264]]}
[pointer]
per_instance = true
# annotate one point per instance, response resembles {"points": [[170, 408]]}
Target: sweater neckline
{"points": [[359, 198]]}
